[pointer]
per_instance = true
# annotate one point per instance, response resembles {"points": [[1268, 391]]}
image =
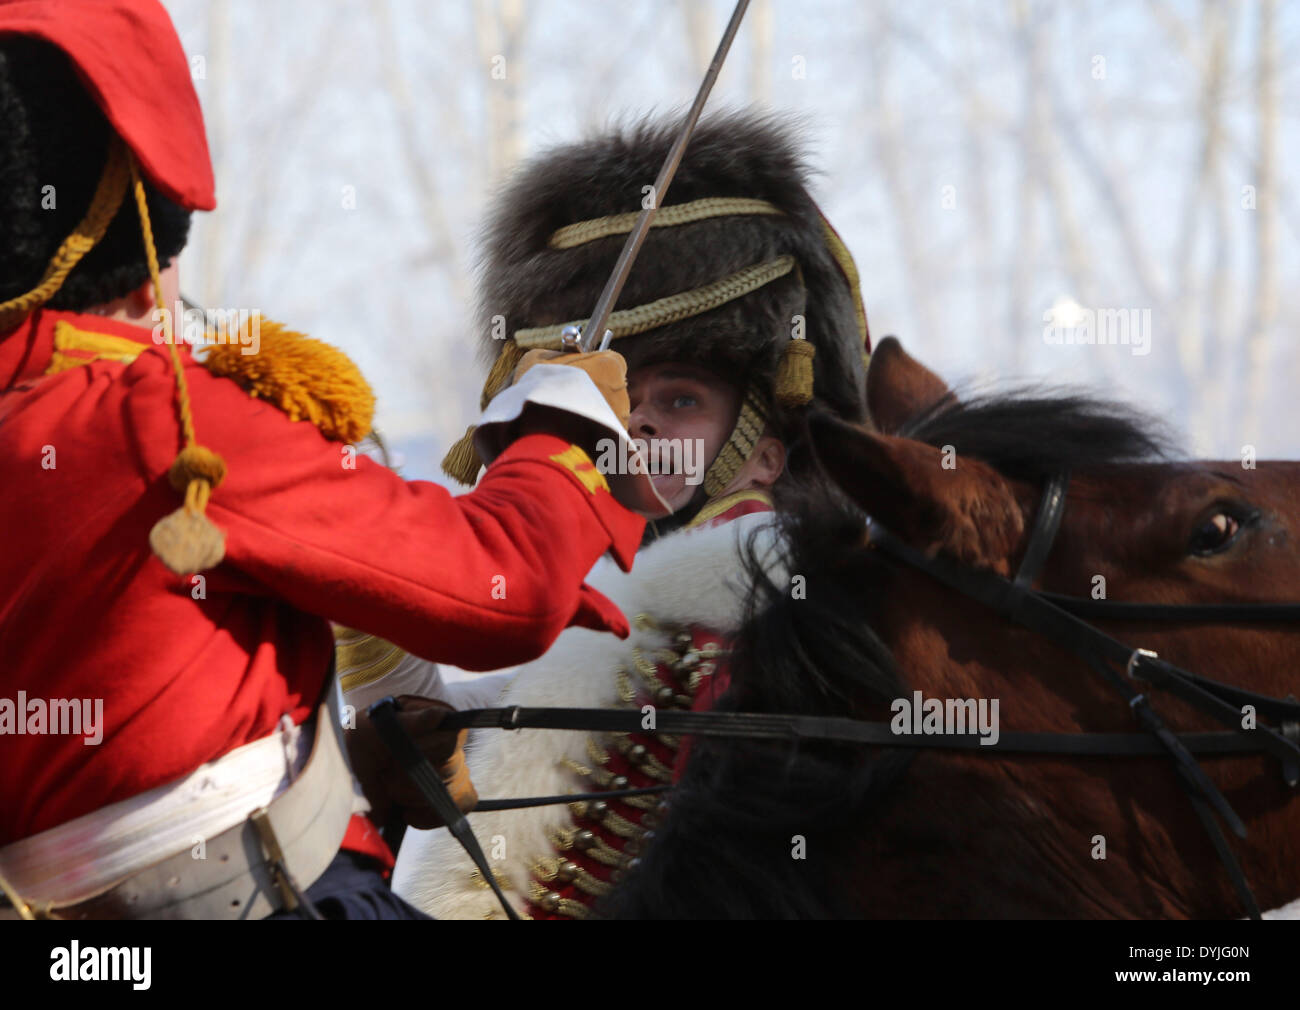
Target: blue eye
{"points": [[684, 400]]}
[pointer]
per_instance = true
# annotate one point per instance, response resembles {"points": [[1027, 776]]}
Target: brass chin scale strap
{"points": [[732, 456]]}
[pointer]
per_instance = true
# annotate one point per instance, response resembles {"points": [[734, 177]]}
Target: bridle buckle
{"points": [[1137, 657]]}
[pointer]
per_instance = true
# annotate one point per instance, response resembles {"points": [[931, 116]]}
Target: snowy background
{"points": [[986, 161]]}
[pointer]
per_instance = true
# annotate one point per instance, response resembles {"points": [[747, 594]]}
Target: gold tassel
{"points": [[794, 376], [187, 541], [461, 462], [500, 375]]}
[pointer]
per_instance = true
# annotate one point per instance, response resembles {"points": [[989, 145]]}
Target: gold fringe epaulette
{"points": [[308, 379]]}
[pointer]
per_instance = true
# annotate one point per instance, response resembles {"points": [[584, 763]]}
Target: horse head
{"points": [[1073, 836], [898, 830]]}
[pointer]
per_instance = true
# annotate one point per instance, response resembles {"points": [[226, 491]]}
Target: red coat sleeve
{"points": [[481, 580]]}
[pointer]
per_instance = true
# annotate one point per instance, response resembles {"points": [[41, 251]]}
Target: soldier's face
{"points": [[683, 415]]}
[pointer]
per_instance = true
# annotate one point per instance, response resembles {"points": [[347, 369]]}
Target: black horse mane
{"points": [[1031, 433], [728, 848]]}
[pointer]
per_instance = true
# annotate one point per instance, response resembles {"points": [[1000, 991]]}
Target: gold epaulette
{"points": [[308, 379]]}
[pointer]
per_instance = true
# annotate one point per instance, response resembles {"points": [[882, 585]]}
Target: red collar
{"points": [[25, 351], [732, 506]]}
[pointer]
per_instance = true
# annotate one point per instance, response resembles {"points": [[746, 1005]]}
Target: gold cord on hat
{"points": [[186, 541], [793, 385], [84, 237], [673, 308], [462, 462], [844, 260], [572, 235]]}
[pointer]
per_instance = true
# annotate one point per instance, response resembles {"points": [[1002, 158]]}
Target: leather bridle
{"points": [[1058, 618], [1130, 671]]}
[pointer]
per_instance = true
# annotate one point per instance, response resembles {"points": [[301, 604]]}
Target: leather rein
{"points": [[1131, 672]]}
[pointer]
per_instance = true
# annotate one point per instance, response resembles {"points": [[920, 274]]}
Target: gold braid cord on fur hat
{"points": [[793, 385], [742, 276], [794, 379]]}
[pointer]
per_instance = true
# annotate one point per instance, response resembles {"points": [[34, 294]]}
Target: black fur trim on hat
{"points": [[53, 134], [732, 155]]}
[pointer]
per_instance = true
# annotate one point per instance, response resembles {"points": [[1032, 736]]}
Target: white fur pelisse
{"points": [[694, 577]]}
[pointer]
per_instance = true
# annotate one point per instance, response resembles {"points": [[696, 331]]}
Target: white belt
{"points": [[84, 858]]}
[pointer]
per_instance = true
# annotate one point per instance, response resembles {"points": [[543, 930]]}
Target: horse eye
{"points": [[1215, 534]]}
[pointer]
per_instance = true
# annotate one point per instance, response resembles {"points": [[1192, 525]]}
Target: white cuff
{"points": [[563, 387]]}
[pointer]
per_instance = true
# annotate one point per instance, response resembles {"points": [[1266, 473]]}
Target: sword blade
{"points": [[614, 286]]}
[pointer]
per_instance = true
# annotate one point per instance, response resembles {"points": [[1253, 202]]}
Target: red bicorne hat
{"points": [[130, 58]]}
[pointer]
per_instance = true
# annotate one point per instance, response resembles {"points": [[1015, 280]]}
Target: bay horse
{"points": [[830, 830]]}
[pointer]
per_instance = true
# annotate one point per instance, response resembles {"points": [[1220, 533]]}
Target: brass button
{"points": [[687, 663]]}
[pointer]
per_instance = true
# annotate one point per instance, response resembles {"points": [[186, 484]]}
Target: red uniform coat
{"points": [[482, 581]]}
